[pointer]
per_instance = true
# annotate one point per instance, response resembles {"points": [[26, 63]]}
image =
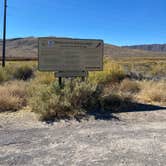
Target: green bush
{"points": [[73, 100], [23, 72]]}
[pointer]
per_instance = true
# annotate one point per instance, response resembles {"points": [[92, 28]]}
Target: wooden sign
{"points": [[70, 55]]}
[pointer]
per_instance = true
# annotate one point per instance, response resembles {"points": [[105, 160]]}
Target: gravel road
{"points": [[137, 139]]}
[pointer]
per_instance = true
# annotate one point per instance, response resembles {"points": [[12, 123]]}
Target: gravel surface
{"points": [[137, 139]]}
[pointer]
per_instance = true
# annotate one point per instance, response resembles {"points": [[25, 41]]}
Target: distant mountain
{"points": [[27, 48], [150, 47]]}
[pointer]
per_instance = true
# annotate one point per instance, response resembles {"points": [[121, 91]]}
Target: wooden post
{"points": [[83, 78], [60, 82]]}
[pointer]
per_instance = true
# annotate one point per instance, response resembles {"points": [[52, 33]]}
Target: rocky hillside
{"points": [[27, 48]]}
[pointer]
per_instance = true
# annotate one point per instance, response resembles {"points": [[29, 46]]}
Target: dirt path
{"points": [[139, 138]]}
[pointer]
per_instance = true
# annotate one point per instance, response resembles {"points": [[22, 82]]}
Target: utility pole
{"points": [[4, 35]]}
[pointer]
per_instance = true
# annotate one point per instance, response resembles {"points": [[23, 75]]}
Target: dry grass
{"points": [[152, 92], [44, 78], [2, 76], [129, 86], [12, 96]]}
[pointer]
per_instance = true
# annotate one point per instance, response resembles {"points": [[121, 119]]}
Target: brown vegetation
{"points": [[152, 92], [13, 96]]}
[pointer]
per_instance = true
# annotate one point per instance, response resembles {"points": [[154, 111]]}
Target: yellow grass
{"points": [[152, 92]]}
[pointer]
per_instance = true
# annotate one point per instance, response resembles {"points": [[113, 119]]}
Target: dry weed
{"points": [[12, 96]]}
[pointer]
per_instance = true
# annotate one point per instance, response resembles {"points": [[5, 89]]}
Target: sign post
{"points": [[60, 81], [70, 57]]}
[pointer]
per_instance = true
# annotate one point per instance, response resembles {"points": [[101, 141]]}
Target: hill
{"points": [[21, 47], [149, 47], [115, 51], [27, 48]]}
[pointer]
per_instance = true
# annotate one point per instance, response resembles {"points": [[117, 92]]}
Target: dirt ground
{"points": [[130, 139]]}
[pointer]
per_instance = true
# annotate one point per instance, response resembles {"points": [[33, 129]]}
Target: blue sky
{"points": [[119, 22]]}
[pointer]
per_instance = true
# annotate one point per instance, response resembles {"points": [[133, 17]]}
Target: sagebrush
{"points": [[74, 99]]}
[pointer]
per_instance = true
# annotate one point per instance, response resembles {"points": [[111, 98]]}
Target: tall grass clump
{"points": [[152, 92], [23, 72], [112, 72], [13, 96], [73, 100]]}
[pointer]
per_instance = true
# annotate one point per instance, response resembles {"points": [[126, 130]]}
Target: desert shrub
{"points": [[152, 91], [83, 95], [23, 72], [47, 103], [12, 96], [74, 99], [112, 72], [129, 86]]}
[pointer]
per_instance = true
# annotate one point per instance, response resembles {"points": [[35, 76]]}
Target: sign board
{"points": [[70, 55]]}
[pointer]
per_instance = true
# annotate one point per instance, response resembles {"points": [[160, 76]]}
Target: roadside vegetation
{"points": [[13, 96], [117, 88], [152, 92]]}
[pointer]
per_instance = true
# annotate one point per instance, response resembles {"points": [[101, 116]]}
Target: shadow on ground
{"points": [[130, 107], [139, 107]]}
